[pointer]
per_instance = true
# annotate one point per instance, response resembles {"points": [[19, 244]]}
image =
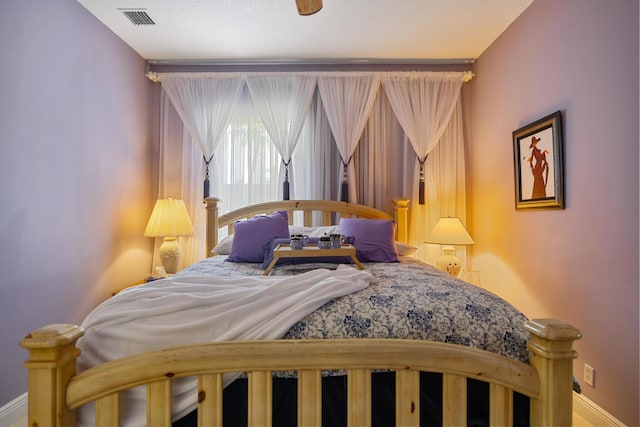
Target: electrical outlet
{"points": [[589, 375]]}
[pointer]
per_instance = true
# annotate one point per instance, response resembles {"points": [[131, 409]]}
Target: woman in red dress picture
{"points": [[539, 168]]}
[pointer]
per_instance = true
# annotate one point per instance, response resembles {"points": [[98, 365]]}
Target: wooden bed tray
{"points": [[55, 390], [312, 251]]}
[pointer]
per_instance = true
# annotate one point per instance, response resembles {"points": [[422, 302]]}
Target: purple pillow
{"points": [[250, 236], [269, 247], [374, 239]]}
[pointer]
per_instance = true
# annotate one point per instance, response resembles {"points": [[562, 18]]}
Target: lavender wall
{"points": [[74, 171], [579, 264]]}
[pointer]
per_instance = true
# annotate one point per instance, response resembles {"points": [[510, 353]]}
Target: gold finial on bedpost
{"points": [[400, 212], [212, 223], [51, 364], [552, 354]]}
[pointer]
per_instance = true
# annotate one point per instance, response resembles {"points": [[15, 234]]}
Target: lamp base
{"points": [[449, 262], [169, 252]]}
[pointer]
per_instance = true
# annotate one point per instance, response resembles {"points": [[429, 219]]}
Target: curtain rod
{"points": [[155, 76], [312, 65]]}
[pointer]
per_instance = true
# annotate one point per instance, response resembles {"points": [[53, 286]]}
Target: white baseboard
{"points": [[592, 413], [13, 411]]}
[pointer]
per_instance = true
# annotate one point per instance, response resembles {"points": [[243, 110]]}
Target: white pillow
{"points": [[405, 249], [224, 247]]}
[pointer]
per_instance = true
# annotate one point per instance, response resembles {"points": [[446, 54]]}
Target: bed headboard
{"points": [[327, 208]]}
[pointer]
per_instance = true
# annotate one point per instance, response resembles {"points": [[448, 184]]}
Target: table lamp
{"points": [[449, 231], [170, 220]]}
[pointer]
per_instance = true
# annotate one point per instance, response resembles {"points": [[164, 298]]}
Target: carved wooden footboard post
{"points": [[52, 362], [212, 224], [552, 355]]}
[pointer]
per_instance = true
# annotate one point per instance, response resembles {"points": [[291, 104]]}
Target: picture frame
{"points": [[538, 164]]}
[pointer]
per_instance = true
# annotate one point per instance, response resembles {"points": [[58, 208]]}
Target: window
{"points": [[247, 161]]}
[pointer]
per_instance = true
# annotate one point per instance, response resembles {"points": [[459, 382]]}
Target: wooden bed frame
{"points": [[55, 390], [327, 208]]}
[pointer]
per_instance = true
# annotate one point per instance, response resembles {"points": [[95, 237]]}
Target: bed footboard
{"points": [[55, 391]]}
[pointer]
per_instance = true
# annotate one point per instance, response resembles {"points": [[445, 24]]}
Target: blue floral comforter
{"points": [[408, 300]]}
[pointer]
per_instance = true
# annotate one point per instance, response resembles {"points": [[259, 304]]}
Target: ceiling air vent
{"points": [[138, 17]]}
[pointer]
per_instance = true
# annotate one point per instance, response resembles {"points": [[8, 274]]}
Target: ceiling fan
{"points": [[308, 7]]}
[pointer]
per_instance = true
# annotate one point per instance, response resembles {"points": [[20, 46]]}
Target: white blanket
{"points": [[187, 310]]}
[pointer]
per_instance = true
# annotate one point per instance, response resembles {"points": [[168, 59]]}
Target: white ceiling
{"points": [[236, 31]]}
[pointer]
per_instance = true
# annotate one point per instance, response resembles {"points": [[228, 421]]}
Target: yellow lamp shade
{"points": [[450, 231], [169, 218]]}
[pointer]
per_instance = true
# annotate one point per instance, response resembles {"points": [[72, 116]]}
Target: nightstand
{"points": [[148, 279]]}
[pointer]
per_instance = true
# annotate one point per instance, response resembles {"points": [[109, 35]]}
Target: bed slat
{"points": [[108, 411], [408, 398], [358, 397], [326, 218], [210, 400], [500, 406], [454, 400], [307, 220], [260, 394], [309, 397], [159, 403]]}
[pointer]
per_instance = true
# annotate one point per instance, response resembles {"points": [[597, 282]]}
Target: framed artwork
{"points": [[538, 164]]}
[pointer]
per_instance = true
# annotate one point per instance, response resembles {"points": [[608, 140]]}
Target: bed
{"points": [[377, 354]]}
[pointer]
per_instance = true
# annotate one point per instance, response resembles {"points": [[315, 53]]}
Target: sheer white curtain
{"points": [[247, 162], [283, 102], [317, 160], [423, 103], [378, 159], [446, 194], [205, 103], [447, 184], [193, 248], [179, 176], [348, 98]]}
